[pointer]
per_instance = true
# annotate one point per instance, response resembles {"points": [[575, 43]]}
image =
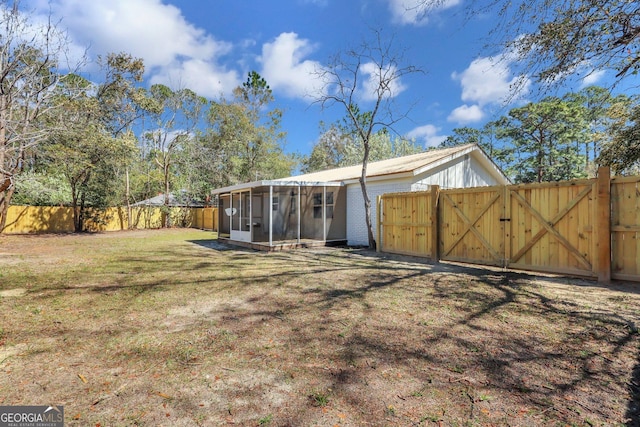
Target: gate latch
{"points": [[505, 219]]}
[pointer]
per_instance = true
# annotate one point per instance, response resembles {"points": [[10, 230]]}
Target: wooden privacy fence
{"points": [[205, 218], [408, 224], [55, 219], [585, 227], [472, 225], [625, 228]]}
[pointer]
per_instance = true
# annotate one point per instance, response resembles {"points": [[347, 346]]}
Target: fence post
{"points": [[603, 225], [435, 226], [378, 223]]}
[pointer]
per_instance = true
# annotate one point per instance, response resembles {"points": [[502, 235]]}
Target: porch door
{"points": [[241, 220]]}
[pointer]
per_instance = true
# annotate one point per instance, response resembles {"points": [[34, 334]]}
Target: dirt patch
{"points": [[7, 352], [169, 330], [18, 292]]}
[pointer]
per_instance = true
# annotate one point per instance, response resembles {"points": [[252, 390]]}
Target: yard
{"points": [[170, 328]]}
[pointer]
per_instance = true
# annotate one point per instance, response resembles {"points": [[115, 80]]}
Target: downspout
{"points": [[324, 213], [271, 215], [298, 213]]}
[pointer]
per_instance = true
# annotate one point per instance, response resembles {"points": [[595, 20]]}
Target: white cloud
{"points": [[286, 70], [200, 76], [371, 84], [465, 114], [592, 78], [428, 134], [320, 3], [416, 12], [172, 48], [488, 80], [485, 82]]}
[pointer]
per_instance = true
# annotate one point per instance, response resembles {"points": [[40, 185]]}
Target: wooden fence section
{"points": [[38, 219], [53, 219], [409, 222], [472, 226], [625, 228], [588, 228], [205, 218], [551, 227]]}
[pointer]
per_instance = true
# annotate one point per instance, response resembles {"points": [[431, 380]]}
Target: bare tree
{"points": [[29, 75], [367, 75]]}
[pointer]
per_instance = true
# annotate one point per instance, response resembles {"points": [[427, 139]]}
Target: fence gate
{"points": [[409, 223], [472, 225], [552, 227]]}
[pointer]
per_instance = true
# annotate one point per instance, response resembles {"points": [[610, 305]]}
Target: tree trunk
{"points": [[80, 225], [165, 213], [74, 205], [78, 209], [128, 200], [367, 200], [5, 197], [5, 183], [367, 213], [5, 180]]}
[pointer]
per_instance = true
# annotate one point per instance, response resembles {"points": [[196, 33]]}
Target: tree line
{"points": [[561, 138], [67, 140]]}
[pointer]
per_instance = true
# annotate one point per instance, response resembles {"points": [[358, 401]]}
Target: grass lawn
{"points": [[169, 328]]}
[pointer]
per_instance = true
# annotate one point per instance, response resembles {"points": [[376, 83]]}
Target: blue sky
{"points": [[210, 46]]}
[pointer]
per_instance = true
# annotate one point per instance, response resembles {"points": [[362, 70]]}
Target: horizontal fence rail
{"points": [[586, 228]]}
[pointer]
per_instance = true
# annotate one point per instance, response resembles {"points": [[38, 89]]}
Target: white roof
{"points": [[275, 183], [412, 165]]}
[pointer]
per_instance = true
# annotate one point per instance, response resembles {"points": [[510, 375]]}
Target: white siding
{"points": [[463, 172], [356, 222]]}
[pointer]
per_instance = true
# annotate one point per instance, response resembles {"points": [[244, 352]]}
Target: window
{"points": [[245, 211], [329, 204], [329, 212], [317, 205], [235, 211], [294, 204], [274, 203], [329, 197]]}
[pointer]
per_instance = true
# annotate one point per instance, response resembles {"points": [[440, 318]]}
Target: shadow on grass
{"points": [[633, 411], [483, 329], [217, 245], [561, 378]]}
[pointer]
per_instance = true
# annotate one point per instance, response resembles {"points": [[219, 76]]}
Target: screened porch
{"points": [[269, 214]]}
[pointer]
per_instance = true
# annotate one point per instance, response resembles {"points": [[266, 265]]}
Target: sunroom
{"points": [[274, 215]]}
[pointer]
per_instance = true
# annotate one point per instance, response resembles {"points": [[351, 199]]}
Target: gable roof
{"points": [[411, 165], [158, 200]]}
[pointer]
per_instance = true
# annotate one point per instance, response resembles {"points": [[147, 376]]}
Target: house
{"points": [[327, 207], [182, 200]]}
